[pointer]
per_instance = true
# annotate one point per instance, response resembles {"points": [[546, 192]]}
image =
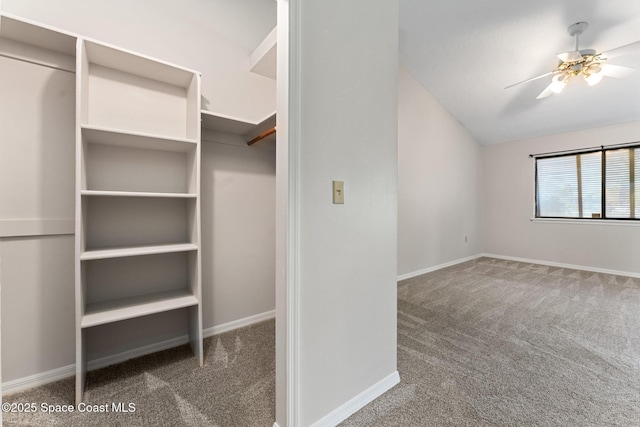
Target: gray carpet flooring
{"points": [[501, 343], [487, 342], [236, 387]]}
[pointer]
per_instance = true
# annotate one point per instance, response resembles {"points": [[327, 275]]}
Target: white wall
{"points": [[238, 229], [342, 126], [36, 184], [508, 193], [438, 182]]}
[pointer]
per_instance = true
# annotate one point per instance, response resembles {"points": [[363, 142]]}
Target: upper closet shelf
{"points": [[263, 60], [137, 64], [49, 38], [25, 41], [135, 93], [243, 128]]}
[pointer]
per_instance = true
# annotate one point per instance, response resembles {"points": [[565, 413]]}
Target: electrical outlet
{"points": [[338, 192]]}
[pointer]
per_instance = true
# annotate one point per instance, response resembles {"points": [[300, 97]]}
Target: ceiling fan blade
{"points": [[546, 92], [531, 79], [622, 50], [616, 70], [570, 56]]}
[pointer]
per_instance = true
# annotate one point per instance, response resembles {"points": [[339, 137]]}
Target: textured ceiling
{"points": [[465, 52]]}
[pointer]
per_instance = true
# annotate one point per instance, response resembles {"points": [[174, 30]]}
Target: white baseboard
{"points": [[437, 267], [352, 406], [240, 323], [563, 265], [57, 374], [103, 362], [39, 379], [511, 258]]}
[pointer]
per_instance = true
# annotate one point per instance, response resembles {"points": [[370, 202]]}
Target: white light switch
{"points": [[338, 192]]}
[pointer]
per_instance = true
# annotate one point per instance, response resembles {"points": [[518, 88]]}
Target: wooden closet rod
{"points": [[262, 136]]}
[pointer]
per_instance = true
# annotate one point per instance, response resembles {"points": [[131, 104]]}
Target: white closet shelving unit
{"points": [[137, 192]]}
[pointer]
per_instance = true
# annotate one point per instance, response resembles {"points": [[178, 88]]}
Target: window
{"points": [[579, 184]]}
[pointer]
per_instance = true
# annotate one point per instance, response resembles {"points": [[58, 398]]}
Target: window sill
{"points": [[617, 222]]}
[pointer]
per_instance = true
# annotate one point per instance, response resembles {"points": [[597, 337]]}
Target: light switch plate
{"points": [[338, 192]]}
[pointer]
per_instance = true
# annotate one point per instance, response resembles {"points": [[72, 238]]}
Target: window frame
{"points": [[603, 178]]}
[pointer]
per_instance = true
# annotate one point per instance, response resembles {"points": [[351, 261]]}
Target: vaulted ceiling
{"points": [[465, 52]]}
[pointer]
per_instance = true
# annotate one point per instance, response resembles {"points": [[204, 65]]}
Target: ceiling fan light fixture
{"points": [[557, 87], [558, 83], [594, 78]]}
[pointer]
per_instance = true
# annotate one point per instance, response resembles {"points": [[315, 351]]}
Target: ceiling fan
{"points": [[585, 63]]}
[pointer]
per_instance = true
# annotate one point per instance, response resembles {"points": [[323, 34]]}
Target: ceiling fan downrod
{"points": [[575, 30]]}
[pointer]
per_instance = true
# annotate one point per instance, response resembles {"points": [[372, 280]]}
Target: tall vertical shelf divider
{"points": [[137, 192]]}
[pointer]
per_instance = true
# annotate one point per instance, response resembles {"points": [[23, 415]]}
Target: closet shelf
{"points": [[137, 64], [37, 35], [123, 138], [235, 126], [264, 59], [100, 193], [128, 251], [128, 308]]}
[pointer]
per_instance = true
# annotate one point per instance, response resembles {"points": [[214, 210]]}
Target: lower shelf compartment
{"points": [[128, 308]]}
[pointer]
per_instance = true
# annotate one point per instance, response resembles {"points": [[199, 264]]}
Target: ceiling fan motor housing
{"points": [[587, 52], [577, 28]]}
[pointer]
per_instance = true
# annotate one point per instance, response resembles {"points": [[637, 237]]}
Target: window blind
{"points": [[617, 186], [636, 182], [571, 185]]}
